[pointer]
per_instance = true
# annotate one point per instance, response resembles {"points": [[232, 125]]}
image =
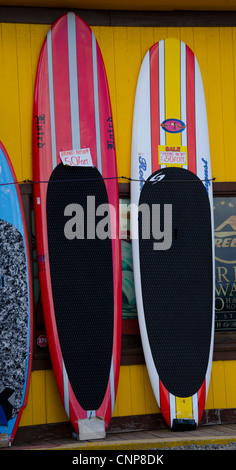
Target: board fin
{"points": [[183, 424], [91, 428]]}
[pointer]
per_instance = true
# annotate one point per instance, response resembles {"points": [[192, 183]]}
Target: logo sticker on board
{"points": [[173, 125]]}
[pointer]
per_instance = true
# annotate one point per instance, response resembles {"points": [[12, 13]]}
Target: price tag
{"points": [[170, 156], [78, 157]]}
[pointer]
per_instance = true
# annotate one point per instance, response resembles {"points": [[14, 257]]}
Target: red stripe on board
{"points": [[75, 409], [105, 408], [42, 169], [61, 87], [201, 400], [41, 127], [190, 84], [109, 169], [165, 403], [154, 104], [85, 88]]}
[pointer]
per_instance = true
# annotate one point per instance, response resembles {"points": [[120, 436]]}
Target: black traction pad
{"points": [[177, 283], [13, 320], [82, 281]]}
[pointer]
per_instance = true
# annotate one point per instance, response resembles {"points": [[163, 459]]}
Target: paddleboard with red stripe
{"points": [[173, 249], [77, 226]]}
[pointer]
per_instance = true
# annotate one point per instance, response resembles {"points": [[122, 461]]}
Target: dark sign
{"points": [[225, 262]]}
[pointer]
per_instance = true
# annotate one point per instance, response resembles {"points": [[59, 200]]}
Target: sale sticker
{"points": [[170, 156], [78, 157]]}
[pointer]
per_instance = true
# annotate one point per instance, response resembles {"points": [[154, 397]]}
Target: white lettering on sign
{"points": [[78, 157]]}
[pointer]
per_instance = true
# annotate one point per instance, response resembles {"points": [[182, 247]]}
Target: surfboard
{"points": [[16, 312], [77, 226], [172, 230]]}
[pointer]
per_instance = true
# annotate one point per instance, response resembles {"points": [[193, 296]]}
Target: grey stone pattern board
{"points": [[13, 319]]}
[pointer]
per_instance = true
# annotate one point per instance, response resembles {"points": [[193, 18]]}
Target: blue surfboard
{"points": [[15, 304]]}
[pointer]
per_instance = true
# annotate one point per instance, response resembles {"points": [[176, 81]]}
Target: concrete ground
{"points": [[140, 440]]}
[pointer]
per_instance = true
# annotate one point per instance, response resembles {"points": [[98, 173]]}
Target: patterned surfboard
{"points": [[16, 312]]}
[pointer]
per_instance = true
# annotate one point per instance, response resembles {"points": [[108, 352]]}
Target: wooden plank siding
{"points": [[123, 48], [134, 397]]}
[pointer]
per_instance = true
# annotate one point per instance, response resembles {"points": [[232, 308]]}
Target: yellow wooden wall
{"points": [[134, 397], [123, 49]]}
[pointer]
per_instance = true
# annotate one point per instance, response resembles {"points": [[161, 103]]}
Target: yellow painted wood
{"points": [[150, 400], [230, 383], [124, 400], [197, 41], [214, 84], [134, 397], [9, 97], [209, 401], [187, 36], [37, 36], [54, 408], [219, 385], [137, 390], [19, 52], [228, 100], [39, 394], [146, 40], [160, 33], [173, 32], [25, 87], [123, 49], [234, 55], [127, 64], [105, 38]]}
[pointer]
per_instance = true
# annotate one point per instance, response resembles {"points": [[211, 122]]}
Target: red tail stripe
{"points": [[201, 400], [165, 403]]}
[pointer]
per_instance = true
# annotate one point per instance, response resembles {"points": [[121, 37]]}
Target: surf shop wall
{"points": [[124, 38]]}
